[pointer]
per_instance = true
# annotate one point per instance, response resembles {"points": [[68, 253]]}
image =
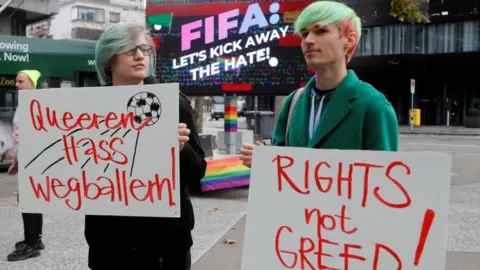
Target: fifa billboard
{"points": [[225, 47]]}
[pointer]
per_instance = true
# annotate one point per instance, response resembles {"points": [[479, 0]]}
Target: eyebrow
{"points": [[315, 27], [318, 26]]}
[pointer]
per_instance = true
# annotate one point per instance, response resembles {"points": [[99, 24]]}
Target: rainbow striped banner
{"points": [[225, 173], [222, 60], [230, 116]]}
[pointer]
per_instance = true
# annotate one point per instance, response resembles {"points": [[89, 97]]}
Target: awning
{"points": [[53, 58]]}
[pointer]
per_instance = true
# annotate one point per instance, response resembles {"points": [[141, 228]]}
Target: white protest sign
{"points": [[332, 209], [100, 151]]}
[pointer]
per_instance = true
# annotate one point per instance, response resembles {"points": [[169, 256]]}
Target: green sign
{"points": [[53, 58]]}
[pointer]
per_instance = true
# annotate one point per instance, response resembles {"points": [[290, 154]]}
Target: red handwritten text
{"points": [[330, 247], [68, 122], [330, 177], [119, 189], [98, 151], [320, 252]]}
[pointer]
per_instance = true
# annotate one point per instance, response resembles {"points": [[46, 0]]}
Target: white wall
{"points": [[62, 24]]}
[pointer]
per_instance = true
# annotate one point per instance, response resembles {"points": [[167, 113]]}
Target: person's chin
{"points": [[317, 63], [139, 74]]}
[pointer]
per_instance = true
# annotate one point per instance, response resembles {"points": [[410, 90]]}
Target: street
{"points": [[218, 212]]}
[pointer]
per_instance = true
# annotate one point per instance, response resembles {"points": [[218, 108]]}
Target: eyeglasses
{"points": [[145, 49]]}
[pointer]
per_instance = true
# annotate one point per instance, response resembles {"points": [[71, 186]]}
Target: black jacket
{"points": [[111, 237]]}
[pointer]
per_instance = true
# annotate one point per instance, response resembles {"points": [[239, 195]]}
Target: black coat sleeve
{"points": [[192, 157]]}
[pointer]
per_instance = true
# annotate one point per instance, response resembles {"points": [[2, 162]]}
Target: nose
{"points": [[309, 38], [139, 54]]}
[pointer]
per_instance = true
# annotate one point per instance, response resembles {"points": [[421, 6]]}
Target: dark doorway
{"points": [[455, 106], [87, 79]]}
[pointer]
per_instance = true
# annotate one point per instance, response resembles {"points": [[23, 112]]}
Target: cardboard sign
{"points": [[332, 209], [100, 151]]}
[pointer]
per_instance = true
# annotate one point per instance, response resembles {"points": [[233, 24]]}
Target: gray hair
{"points": [[118, 38]]}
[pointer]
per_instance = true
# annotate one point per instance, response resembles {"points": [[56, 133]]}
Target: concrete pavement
{"points": [[218, 213], [422, 130], [463, 242], [440, 130]]}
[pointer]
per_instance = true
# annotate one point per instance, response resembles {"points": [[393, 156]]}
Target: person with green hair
{"points": [[124, 55], [335, 110], [32, 243]]}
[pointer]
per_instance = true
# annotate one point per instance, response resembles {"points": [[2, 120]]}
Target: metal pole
{"points": [[448, 118], [4, 6], [255, 108], [411, 113]]}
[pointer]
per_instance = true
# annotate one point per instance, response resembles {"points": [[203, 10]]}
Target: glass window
{"points": [[422, 39], [65, 84], [114, 17], [218, 100], [88, 14]]}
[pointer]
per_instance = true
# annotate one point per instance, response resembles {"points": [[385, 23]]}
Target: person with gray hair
{"points": [[125, 55]]}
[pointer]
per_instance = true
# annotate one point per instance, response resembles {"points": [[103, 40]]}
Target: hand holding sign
{"points": [[183, 132], [13, 169], [246, 153]]}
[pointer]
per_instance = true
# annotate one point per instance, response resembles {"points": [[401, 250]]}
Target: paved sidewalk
{"points": [[225, 255], [214, 126], [423, 130], [440, 130]]}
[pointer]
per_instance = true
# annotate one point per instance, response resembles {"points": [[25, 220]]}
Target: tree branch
{"points": [[409, 10]]}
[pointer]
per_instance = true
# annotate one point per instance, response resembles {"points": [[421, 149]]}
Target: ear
{"points": [[351, 44], [352, 40]]}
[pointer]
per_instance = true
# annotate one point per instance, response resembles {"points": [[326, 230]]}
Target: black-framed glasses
{"points": [[145, 49]]}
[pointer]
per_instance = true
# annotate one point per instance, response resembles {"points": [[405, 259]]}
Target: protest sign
{"points": [[332, 209], [100, 151]]}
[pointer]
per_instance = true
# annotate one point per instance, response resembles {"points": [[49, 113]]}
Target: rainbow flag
{"points": [[222, 60], [225, 173], [230, 118]]}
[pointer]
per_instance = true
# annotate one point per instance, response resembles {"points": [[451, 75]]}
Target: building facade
{"points": [[20, 13], [14, 52], [440, 56], [86, 19], [62, 63]]}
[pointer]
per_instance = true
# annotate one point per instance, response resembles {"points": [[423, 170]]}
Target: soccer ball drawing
{"points": [[144, 106]]}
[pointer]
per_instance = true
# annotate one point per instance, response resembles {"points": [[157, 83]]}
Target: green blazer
{"points": [[357, 117]]}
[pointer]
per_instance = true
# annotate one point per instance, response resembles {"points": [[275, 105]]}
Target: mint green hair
{"points": [[116, 39], [325, 13]]}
